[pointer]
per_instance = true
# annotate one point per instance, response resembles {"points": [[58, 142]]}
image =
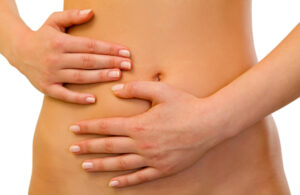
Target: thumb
{"points": [[69, 17], [148, 90]]}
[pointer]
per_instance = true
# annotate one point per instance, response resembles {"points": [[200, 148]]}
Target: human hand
{"points": [[49, 57], [171, 136]]}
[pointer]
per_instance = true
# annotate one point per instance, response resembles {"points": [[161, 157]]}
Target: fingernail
{"points": [[90, 99], [126, 65], [113, 183], [117, 87], [85, 11], [74, 128], [114, 74], [87, 165], [124, 53], [74, 148]]}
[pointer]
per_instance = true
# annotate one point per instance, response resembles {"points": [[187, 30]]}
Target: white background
{"points": [[20, 103]]}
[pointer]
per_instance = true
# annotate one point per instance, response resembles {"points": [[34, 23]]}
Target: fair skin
{"points": [[178, 129], [49, 57]]}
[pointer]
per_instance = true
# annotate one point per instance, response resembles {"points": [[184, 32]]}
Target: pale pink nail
{"points": [[113, 183], [90, 100], [85, 11], [124, 52], [126, 65], [114, 74], [74, 128], [117, 87], [87, 165], [74, 148]]}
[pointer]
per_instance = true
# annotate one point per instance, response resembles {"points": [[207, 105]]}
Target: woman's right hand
{"points": [[49, 57]]}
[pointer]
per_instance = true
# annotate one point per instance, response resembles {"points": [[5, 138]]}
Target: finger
{"points": [[104, 126], [118, 163], [87, 76], [93, 61], [62, 93], [140, 176], [88, 45], [149, 90], [67, 18], [105, 145]]}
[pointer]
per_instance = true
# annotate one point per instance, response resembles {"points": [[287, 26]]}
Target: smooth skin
{"points": [[204, 132], [186, 127], [49, 57]]}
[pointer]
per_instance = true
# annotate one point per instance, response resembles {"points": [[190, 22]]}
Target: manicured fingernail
{"points": [[90, 100], [124, 53], [87, 165], [74, 128], [114, 74], [85, 11], [74, 148], [113, 183], [126, 65], [117, 87]]}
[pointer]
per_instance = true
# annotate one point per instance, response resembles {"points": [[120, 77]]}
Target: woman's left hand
{"points": [[168, 138]]}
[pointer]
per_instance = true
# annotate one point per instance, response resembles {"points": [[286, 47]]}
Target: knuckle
{"points": [[85, 146], [103, 75], [64, 96], [48, 74], [139, 126], [84, 127], [112, 62], [108, 145], [125, 181], [147, 145], [77, 98], [91, 45], [156, 157], [57, 42], [54, 14], [141, 176], [131, 87], [112, 49], [86, 61], [99, 165], [123, 165], [73, 13], [102, 125], [77, 76], [51, 60]]}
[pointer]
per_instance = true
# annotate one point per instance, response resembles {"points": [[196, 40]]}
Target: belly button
{"points": [[157, 77]]}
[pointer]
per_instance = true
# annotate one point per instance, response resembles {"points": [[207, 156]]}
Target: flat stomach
{"points": [[198, 46]]}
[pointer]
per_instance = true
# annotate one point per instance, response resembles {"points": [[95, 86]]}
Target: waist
{"points": [[200, 61], [196, 41]]}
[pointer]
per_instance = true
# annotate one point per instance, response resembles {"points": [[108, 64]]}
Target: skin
{"points": [[61, 58], [156, 146], [150, 145], [150, 148]]}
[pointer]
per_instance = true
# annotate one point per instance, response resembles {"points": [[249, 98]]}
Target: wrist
{"points": [[16, 42], [14, 32], [218, 117]]}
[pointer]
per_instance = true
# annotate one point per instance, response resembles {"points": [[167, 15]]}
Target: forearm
{"points": [[11, 26], [269, 85]]}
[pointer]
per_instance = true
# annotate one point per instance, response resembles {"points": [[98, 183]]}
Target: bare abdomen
{"points": [[197, 46]]}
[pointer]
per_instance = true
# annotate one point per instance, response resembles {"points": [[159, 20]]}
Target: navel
{"points": [[157, 76]]}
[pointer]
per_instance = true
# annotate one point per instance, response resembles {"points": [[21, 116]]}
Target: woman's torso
{"points": [[196, 45]]}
